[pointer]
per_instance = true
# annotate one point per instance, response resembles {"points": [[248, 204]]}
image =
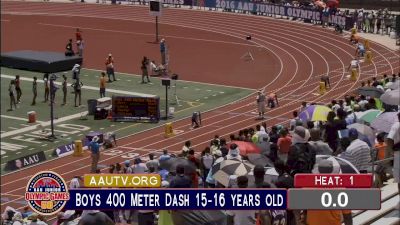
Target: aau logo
{"points": [[47, 193]]}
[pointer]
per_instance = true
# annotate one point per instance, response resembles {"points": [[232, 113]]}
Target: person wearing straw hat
{"points": [[261, 103], [94, 148]]}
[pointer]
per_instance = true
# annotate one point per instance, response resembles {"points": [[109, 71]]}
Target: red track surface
{"points": [[298, 54]]}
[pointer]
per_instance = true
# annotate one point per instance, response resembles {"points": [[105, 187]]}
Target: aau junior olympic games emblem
{"points": [[46, 193]]}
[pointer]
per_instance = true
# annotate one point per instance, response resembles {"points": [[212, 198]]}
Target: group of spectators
{"points": [[291, 149]]}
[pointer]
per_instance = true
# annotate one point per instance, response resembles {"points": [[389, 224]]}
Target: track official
{"points": [[94, 148]]}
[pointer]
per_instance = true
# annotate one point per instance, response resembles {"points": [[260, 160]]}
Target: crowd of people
{"points": [[289, 148]]}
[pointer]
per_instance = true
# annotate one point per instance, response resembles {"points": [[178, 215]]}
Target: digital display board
{"points": [[136, 108]]}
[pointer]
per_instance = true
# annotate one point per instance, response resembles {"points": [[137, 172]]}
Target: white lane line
{"points": [[149, 34], [17, 118]]}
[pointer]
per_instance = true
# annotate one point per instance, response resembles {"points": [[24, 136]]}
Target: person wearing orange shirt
{"points": [[284, 143], [103, 85], [329, 217], [380, 146]]}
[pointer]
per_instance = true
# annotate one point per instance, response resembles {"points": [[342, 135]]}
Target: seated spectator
{"points": [[139, 166], [152, 162], [180, 180], [164, 156], [234, 152], [320, 147], [358, 152]]}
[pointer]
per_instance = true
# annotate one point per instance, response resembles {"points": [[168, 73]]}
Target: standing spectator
{"points": [[18, 88], [393, 147], [380, 146], [144, 68], [358, 152], [260, 99], [284, 143], [34, 90], [241, 217], [180, 180], [273, 134], [12, 94], [301, 157], [163, 50], [367, 22], [64, 89], [110, 67], [80, 46], [68, 49], [186, 147], [78, 92], [293, 122], [207, 161], [94, 148], [46, 89], [331, 135], [53, 91], [78, 35], [103, 85]]}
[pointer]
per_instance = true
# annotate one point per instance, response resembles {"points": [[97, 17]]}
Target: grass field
{"points": [[19, 138]]}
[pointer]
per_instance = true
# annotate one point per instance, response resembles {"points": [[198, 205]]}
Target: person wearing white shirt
{"points": [[393, 147]]}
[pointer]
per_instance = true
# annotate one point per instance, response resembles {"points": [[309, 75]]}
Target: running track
{"points": [[303, 53]]}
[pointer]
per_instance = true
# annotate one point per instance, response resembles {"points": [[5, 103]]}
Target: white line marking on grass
{"points": [[18, 153], [4, 157], [16, 118], [209, 90], [129, 80], [214, 95], [31, 149], [206, 97], [221, 92], [185, 87], [12, 128], [84, 87], [44, 145]]}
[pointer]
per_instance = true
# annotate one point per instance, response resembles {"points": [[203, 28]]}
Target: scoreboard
{"points": [[136, 108]]}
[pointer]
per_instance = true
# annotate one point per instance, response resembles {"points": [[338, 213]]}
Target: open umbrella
{"points": [[394, 86], [364, 130], [171, 164], [259, 159], [246, 147], [384, 121], [339, 165], [369, 115], [222, 171], [192, 217], [370, 91], [391, 97], [314, 113]]}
